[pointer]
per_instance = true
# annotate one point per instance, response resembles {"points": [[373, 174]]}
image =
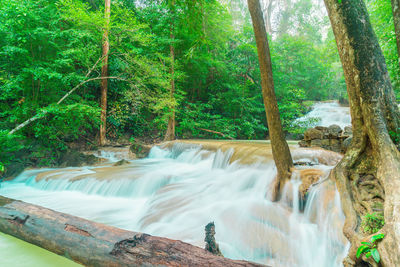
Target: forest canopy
{"points": [[48, 47]]}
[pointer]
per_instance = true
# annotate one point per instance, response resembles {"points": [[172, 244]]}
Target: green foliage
{"points": [[382, 21], [372, 223], [395, 136], [8, 145], [369, 248], [47, 48], [65, 124]]}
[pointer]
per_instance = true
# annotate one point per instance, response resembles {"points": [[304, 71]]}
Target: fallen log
{"points": [[96, 244]]}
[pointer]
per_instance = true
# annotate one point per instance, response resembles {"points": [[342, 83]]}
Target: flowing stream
{"points": [[180, 188], [176, 191], [326, 114]]}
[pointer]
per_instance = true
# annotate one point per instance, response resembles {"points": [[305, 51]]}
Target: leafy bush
{"points": [[372, 223], [8, 145], [369, 248], [61, 125]]}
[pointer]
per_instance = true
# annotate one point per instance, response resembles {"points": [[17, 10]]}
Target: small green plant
{"points": [[372, 223], [369, 248]]}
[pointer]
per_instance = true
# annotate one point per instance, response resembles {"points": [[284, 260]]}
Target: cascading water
{"points": [[326, 114], [175, 192]]}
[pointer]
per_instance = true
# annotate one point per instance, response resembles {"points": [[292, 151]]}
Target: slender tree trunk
{"points": [[396, 20], [170, 134], [280, 149], [368, 177], [104, 73]]}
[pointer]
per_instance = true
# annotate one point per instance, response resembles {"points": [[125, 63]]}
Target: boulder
{"points": [[73, 158], [140, 150], [325, 143], [121, 162], [308, 177], [334, 131], [330, 138], [316, 142], [303, 143], [312, 134], [348, 131], [324, 130], [335, 145]]}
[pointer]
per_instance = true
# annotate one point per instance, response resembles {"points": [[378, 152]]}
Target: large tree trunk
{"points": [[396, 20], [280, 149], [104, 73], [369, 174], [95, 244], [170, 134]]}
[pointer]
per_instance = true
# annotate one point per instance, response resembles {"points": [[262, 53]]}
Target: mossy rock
{"points": [[73, 158], [140, 150]]}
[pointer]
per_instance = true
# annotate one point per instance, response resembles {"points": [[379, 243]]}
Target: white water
{"points": [[176, 193], [326, 114]]}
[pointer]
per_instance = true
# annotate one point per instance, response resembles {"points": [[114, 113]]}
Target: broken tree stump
{"points": [[96, 244], [211, 244]]}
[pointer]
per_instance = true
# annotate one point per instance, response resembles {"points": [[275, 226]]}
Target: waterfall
{"points": [[326, 114], [176, 191]]}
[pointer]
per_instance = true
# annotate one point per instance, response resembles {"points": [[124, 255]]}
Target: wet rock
{"points": [[316, 142], [312, 134], [308, 177], [73, 158], [335, 145], [330, 138], [348, 131], [13, 170], [325, 143], [304, 163], [334, 131], [324, 130], [303, 143], [141, 150], [121, 162]]}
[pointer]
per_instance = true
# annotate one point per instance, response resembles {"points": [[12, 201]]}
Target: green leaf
{"points": [[367, 243], [361, 250], [368, 254], [377, 237], [339, 1], [375, 255]]}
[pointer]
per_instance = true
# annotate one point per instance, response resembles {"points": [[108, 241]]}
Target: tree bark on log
{"points": [[280, 149], [369, 174], [95, 244]]}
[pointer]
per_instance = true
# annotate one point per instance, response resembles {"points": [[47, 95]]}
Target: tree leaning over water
{"points": [[280, 149], [368, 177]]}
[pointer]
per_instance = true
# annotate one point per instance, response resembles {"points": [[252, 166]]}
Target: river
{"points": [[180, 188]]}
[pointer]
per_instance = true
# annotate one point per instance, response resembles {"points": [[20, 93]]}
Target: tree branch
{"points": [[215, 132], [43, 113]]}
